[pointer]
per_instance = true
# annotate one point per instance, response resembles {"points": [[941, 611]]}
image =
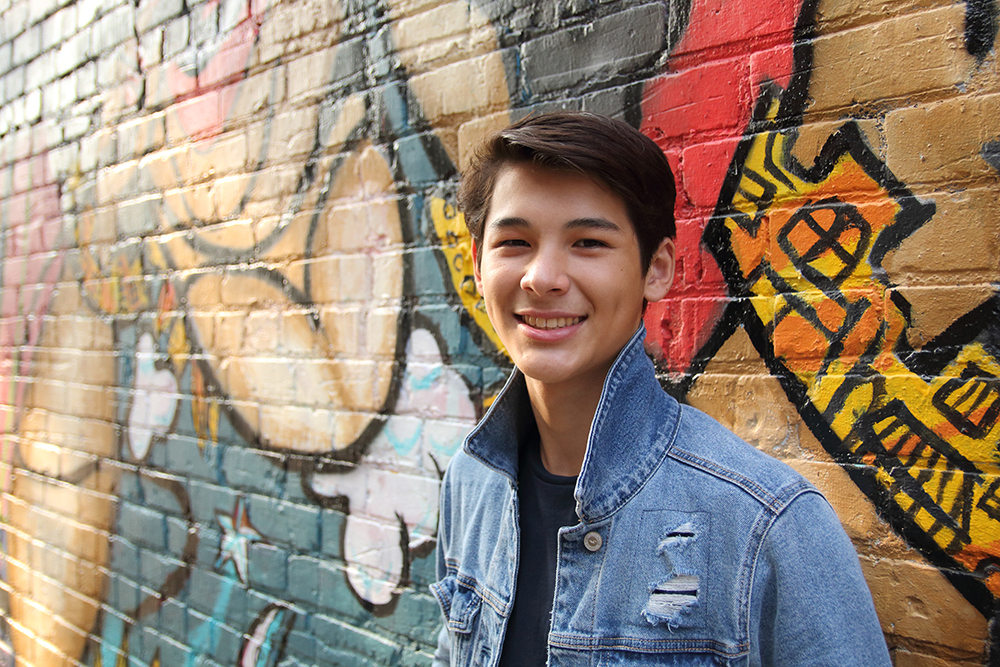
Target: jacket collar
{"points": [[633, 428]]}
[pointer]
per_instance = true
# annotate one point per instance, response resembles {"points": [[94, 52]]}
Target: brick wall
{"points": [[239, 341]]}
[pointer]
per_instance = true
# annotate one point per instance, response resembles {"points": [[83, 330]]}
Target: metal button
{"points": [[592, 541]]}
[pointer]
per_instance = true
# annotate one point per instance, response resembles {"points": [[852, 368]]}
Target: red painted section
{"points": [[697, 111]]}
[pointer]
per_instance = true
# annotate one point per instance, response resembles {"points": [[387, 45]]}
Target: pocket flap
{"points": [[459, 604]]}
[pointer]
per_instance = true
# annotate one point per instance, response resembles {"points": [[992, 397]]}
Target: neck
{"points": [[564, 413]]}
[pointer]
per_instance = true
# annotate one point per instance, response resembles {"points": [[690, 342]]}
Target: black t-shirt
{"points": [[546, 504]]}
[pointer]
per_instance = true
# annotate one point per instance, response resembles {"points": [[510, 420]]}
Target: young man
{"points": [[590, 519]]}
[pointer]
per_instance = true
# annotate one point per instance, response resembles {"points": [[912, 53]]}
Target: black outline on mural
{"points": [[286, 625]]}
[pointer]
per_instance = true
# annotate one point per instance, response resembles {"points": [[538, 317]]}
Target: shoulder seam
{"points": [[775, 502]]}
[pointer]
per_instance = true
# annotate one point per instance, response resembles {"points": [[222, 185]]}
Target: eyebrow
{"points": [[576, 223]]}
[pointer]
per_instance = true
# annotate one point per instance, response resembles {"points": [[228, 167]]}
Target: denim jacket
{"points": [[692, 547]]}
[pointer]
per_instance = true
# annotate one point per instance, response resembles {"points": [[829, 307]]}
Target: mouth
{"points": [[550, 323]]}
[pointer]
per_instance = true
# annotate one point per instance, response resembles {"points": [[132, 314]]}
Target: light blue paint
{"points": [[205, 638], [404, 446], [113, 636], [425, 381]]}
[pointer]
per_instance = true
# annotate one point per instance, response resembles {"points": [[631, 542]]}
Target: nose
{"points": [[546, 273]]}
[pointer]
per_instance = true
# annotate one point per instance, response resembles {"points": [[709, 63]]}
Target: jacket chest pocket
{"points": [[473, 627]]}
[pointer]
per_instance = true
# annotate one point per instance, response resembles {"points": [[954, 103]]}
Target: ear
{"points": [[660, 275], [476, 273]]}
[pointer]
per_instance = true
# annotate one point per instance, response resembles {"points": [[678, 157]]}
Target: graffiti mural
{"points": [[241, 339], [809, 255], [805, 248], [314, 379]]}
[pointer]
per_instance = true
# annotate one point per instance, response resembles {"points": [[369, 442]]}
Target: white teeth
{"points": [[554, 323]]}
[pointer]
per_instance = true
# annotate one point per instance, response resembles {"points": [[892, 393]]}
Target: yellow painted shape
{"points": [[456, 244]]}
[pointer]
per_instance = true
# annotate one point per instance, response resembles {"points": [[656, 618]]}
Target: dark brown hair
{"points": [[612, 151]]}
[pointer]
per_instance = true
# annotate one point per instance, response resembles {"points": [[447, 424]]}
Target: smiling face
{"points": [[560, 273]]}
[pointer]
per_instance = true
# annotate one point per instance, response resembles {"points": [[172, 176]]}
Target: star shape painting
{"points": [[237, 535]]}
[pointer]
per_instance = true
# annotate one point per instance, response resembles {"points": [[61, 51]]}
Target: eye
{"points": [[591, 243], [511, 243]]}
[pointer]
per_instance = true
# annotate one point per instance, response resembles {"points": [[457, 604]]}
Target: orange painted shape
{"points": [[799, 343], [831, 314], [751, 249]]}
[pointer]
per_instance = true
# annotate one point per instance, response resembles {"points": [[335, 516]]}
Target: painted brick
{"points": [[255, 470], [88, 10], [155, 568], [58, 27], [332, 527], [308, 74], [587, 54], [360, 645], [209, 582], [228, 643], [934, 143], [473, 85], [864, 56], [117, 183], [289, 134], [40, 71], [302, 645], [904, 658], [86, 81], [269, 567], [288, 523], [973, 252], [138, 217], [144, 527], [303, 579], [416, 618], [122, 593], [151, 47], [113, 29], [171, 652], [15, 82], [39, 10], [124, 558], [459, 31], [621, 102], [173, 617], [153, 14], [162, 492], [139, 137], [209, 500], [206, 25], [27, 45], [919, 614], [335, 596], [33, 105], [6, 57], [176, 36]]}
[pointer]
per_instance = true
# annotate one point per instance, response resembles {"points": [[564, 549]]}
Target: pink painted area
{"points": [[201, 116], [32, 263], [205, 112], [697, 111]]}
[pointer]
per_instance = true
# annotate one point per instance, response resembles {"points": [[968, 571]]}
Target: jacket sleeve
{"points": [[442, 653], [811, 599]]}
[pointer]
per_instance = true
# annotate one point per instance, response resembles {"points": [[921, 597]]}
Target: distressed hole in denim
{"points": [[679, 536], [671, 598]]}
